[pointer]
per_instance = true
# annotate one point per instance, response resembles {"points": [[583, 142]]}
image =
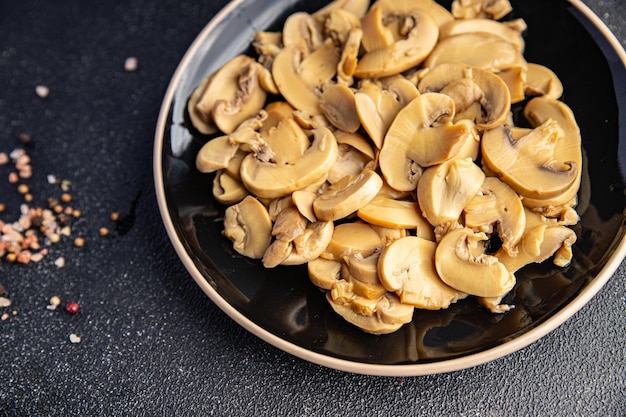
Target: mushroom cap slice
{"points": [[445, 189], [414, 38], [383, 316], [378, 103], [363, 268], [216, 154], [468, 85], [338, 105], [270, 180], [407, 267], [300, 76], [356, 141], [231, 95], [462, 264], [228, 190], [490, 9], [287, 141], [494, 27], [324, 273], [310, 244], [421, 135], [541, 80], [352, 238], [387, 212], [357, 7], [530, 164], [496, 204], [347, 196], [539, 244], [478, 49], [248, 225]]}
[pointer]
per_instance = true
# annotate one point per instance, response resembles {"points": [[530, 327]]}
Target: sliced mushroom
{"points": [[351, 238], [347, 196], [356, 141], [469, 85], [267, 45], [310, 244], [515, 80], [531, 165], [445, 189], [379, 102], [421, 135], [461, 263], [248, 225], [494, 27], [388, 212], [368, 290], [490, 9], [270, 180], [357, 7], [301, 76], [541, 80], [478, 49], [497, 207], [382, 316], [406, 267], [302, 30], [540, 243], [303, 200], [287, 141], [349, 162], [363, 268], [230, 96], [395, 40], [339, 107], [228, 190], [324, 273], [216, 154]]}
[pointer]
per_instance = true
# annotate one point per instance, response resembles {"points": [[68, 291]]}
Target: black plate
{"points": [[284, 308]]}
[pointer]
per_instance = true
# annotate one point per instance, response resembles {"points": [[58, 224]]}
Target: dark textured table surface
{"points": [[151, 342]]}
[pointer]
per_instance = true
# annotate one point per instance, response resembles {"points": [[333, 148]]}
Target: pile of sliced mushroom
{"points": [[376, 144]]}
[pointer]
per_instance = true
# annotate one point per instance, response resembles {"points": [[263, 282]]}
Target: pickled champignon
{"points": [[228, 190], [542, 81], [352, 238], [378, 102], [357, 7], [406, 267], [347, 196], [491, 9], [324, 273], [228, 97], [267, 179], [531, 165], [421, 135], [461, 263], [402, 214], [338, 105], [444, 190], [496, 207], [508, 32], [396, 38], [248, 225], [479, 95], [380, 316], [301, 75]]}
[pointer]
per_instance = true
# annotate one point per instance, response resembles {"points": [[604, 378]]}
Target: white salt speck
{"points": [[131, 63], [42, 91], [5, 302], [52, 179], [74, 338], [60, 262]]}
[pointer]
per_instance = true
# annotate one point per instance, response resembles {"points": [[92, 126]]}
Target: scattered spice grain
{"points": [[71, 307], [74, 338], [79, 242], [104, 231], [42, 91]]}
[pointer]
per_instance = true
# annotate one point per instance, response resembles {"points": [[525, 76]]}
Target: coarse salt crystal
{"points": [[42, 91], [52, 179], [74, 338], [131, 63], [60, 262]]}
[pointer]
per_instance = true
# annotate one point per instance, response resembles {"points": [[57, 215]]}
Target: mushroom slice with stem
{"points": [[303, 200], [309, 245], [461, 263], [388, 212], [228, 190], [301, 29], [395, 41], [505, 31], [363, 268], [444, 190], [541, 80], [248, 225], [406, 267], [216, 154], [347, 196], [478, 49], [469, 85], [338, 105], [538, 110], [270, 180], [381, 316], [378, 102], [357, 7], [230, 96], [490, 9], [421, 135], [497, 206], [301, 76], [531, 164], [287, 141]]}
